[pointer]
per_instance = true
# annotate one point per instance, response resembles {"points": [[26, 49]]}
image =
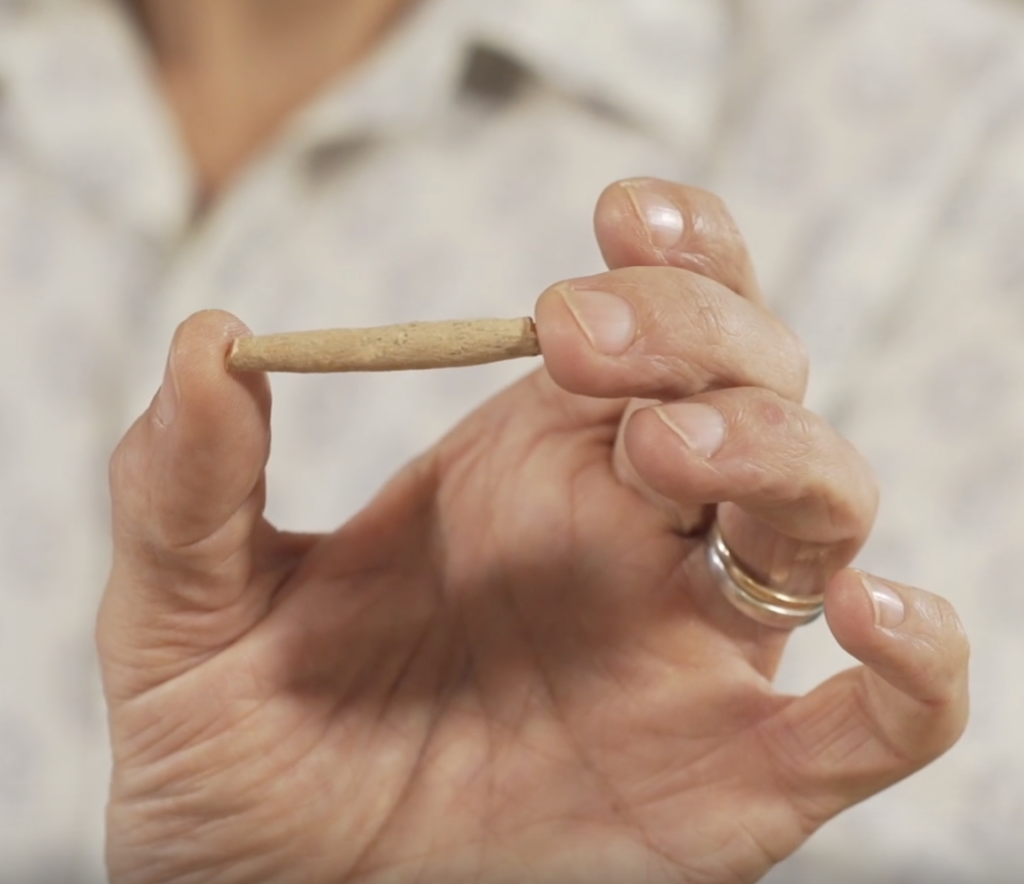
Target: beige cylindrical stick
{"points": [[413, 345]]}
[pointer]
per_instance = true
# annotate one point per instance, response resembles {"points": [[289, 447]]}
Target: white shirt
{"points": [[870, 149]]}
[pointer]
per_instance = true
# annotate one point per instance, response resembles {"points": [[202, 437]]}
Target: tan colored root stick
{"points": [[413, 345]]}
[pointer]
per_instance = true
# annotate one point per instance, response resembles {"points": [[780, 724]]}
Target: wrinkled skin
{"points": [[513, 666]]}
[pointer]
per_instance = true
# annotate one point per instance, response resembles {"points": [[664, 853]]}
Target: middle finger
{"points": [[664, 333]]}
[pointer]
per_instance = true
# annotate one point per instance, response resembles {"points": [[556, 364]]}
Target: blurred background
{"points": [[872, 152]]}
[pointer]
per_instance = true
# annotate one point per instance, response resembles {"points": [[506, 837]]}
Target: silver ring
{"points": [[762, 603]]}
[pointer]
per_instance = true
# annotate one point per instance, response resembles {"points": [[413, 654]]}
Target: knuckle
{"points": [[805, 461], [712, 326], [852, 492], [839, 476], [798, 358], [790, 359], [847, 518]]}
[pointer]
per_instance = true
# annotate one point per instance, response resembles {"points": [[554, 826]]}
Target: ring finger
{"points": [[795, 500]]}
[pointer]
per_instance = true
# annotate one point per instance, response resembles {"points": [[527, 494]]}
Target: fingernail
{"points": [[700, 426], [167, 397], [662, 219], [890, 611], [608, 321]]}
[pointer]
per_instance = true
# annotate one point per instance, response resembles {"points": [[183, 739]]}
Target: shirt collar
{"points": [[658, 63], [79, 98], [79, 102]]}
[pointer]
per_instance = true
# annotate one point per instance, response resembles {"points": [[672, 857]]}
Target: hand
{"points": [[513, 666]]}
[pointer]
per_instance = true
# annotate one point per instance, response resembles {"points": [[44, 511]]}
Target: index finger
{"points": [[647, 222]]}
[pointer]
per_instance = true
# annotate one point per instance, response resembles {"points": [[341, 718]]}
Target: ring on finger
{"points": [[765, 604]]}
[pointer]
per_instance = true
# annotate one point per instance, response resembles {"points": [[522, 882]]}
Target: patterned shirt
{"points": [[871, 150]]}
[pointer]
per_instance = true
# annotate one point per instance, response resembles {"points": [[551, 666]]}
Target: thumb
{"points": [[187, 492], [870, 726]]}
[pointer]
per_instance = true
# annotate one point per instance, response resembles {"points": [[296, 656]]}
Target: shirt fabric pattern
{"points": [[870, 150]]}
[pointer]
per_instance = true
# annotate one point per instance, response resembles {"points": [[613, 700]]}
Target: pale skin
{"points": [[514, 666], [234, 71]]}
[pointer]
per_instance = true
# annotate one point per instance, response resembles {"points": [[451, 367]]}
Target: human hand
{"points": [[513, 665]]}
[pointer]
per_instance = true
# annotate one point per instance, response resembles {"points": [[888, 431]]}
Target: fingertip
{"points": [[653, 222], [201, 345], [911, 638], [852, 610], [204, 390], [619, 227], [567, 352], [209, 395], [856, 598], [661, 456], [887, 602]]}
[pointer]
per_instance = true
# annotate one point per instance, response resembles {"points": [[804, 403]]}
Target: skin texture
{"points": [[235, 71], [512, 666]]}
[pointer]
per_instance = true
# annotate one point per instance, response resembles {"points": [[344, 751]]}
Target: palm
{"points": [[511, 667], [432, 688]]}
